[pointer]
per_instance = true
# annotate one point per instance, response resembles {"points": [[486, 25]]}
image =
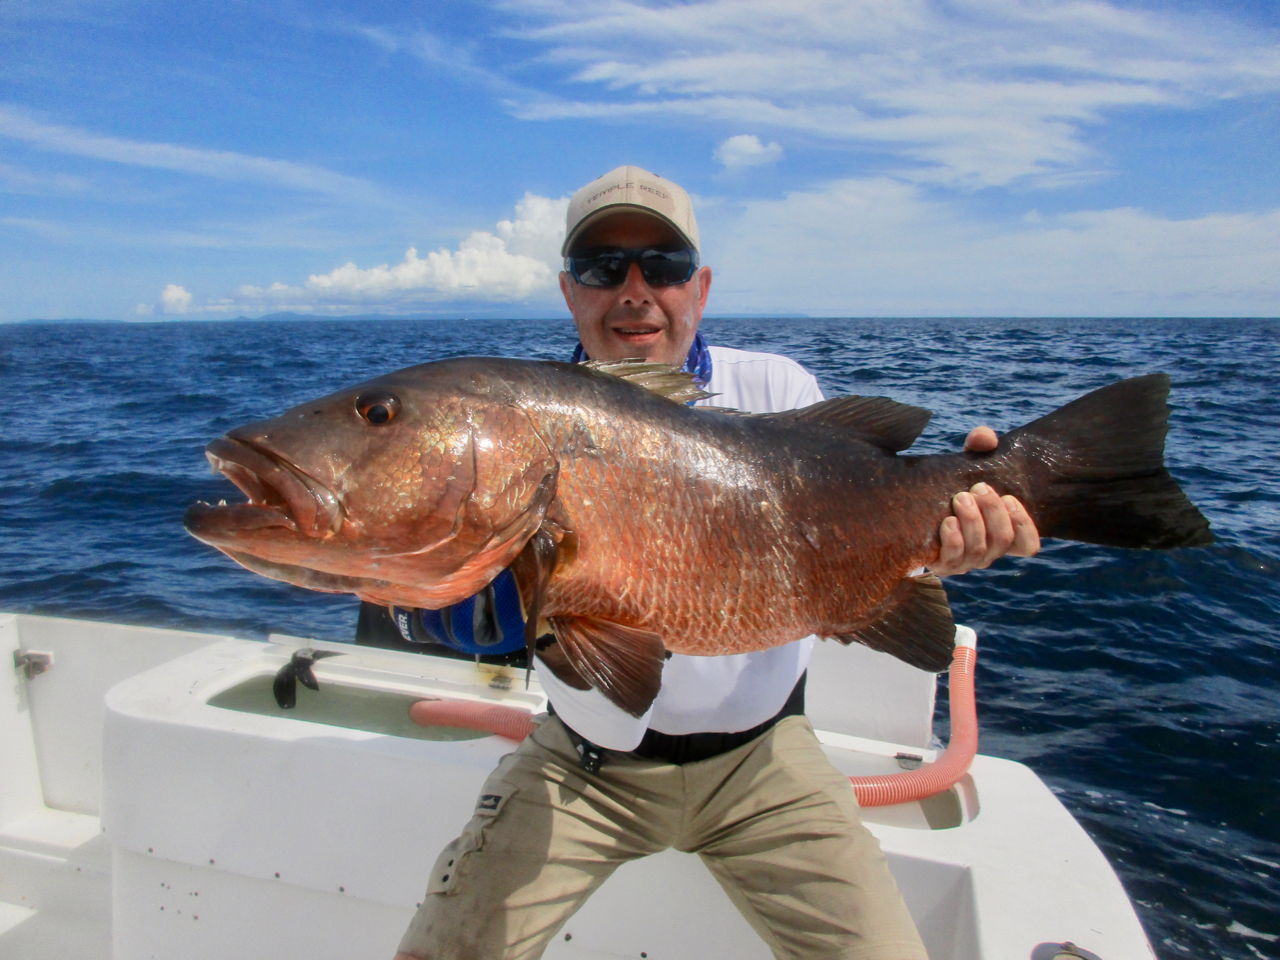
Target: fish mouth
{"points": [[280, 494]]}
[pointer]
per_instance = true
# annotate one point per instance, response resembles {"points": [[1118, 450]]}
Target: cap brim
{"points": [[605, 212]]}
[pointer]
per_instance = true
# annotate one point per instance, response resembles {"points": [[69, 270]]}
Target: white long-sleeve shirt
{"points": [[724, 694]]}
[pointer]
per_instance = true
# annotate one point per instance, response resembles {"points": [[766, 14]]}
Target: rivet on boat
{"points": [[1066, 950], [909, 761]]}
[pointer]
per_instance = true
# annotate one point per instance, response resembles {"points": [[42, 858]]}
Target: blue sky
{"points": [[856, 158]]}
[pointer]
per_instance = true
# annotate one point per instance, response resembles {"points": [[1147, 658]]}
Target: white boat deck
{"points": [[155, 804]]}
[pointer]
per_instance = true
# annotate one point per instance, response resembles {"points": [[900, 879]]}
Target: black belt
{"points": [[685, 747]]}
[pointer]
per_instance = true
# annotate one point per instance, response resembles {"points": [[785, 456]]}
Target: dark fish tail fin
{"points": [[1095, 470]]}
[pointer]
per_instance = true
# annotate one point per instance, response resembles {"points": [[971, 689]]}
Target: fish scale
{"points": [[718, 546]]}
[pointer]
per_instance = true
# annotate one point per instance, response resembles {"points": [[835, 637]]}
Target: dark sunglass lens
{"points": [[664, 268], [602, 270], [660, 268]]}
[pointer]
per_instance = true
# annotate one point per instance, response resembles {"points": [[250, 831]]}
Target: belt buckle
{"points": [[590, 757]]}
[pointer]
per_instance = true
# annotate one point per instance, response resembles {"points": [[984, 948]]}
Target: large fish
{"points": [[637, 525]]}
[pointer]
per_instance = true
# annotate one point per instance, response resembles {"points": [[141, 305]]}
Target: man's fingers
{"points": [[950, 549], [981, 440], [961, 537], [998, 526], [1026, 538], [969, 512], [984, 527]]}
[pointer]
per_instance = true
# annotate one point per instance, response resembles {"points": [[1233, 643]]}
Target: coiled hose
{"points": [[940, 775], [515, 724]]}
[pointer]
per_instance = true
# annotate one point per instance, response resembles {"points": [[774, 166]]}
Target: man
{"points": [[724, 763]]}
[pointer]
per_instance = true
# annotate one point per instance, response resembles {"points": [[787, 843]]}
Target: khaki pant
{"points": [[776, 824]]}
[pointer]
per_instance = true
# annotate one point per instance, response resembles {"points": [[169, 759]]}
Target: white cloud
{"points": [[46, 229], [881, 247], [874, 246], [219, 164], [174, 299], [17, 180], [519, 259], [446, 53], [971, 93], [746, 150]]}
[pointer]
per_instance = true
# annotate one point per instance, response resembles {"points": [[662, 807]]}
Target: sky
{"points": [[853, 158]]}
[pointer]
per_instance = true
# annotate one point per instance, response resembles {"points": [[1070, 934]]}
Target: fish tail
{"points": [[1095, 470]]}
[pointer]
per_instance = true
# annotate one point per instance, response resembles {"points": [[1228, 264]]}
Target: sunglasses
{"points": [[608, 266]]}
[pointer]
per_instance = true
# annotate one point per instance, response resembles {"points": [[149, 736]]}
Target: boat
{"points": [[156, 802]]}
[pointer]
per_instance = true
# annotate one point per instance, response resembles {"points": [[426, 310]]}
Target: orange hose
{"points": [[952, 765], [509, 722], [516, 724]]}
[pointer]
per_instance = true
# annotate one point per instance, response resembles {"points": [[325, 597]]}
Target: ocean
{"points": [[1143, 687]]}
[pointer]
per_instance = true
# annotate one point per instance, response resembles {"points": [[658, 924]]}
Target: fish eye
{"points": [[377, 408]]}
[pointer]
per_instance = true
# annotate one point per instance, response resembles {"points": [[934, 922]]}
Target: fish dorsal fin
{"points": [[661, 378], [886, 423], [624, 663], [913, 624]]}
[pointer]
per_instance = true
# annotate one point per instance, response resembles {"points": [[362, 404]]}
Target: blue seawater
{"points": [[1143, 687]]}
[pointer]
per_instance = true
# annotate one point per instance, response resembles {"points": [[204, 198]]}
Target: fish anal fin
{"points": [[885, 423], [624, 663], [913, 623]]}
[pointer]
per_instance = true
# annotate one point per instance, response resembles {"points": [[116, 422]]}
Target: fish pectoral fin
{"points": [[885, 423], [913, 623], [552, 656], [624, 663], [535, 564]]}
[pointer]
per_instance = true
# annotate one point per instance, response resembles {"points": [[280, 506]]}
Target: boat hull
{"points": [[233, 829]]}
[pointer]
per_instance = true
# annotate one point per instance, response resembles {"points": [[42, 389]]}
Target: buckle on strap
{"points": [[590, 755]]}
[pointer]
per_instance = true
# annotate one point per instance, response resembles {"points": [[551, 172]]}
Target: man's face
{"points": [[634, 319]]}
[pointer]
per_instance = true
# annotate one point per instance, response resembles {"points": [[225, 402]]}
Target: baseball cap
{"points": [[630, 188]]}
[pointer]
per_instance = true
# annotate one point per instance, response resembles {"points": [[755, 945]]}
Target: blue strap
{"points": [[489, 623]]}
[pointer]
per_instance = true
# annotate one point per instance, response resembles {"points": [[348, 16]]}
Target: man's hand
{"points": [[984, 527]]}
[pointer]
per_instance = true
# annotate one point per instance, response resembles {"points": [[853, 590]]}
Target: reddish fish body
{"points": [[639, 525]]}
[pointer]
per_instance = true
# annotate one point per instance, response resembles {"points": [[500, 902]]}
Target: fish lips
{"points": [[281, 495]]}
